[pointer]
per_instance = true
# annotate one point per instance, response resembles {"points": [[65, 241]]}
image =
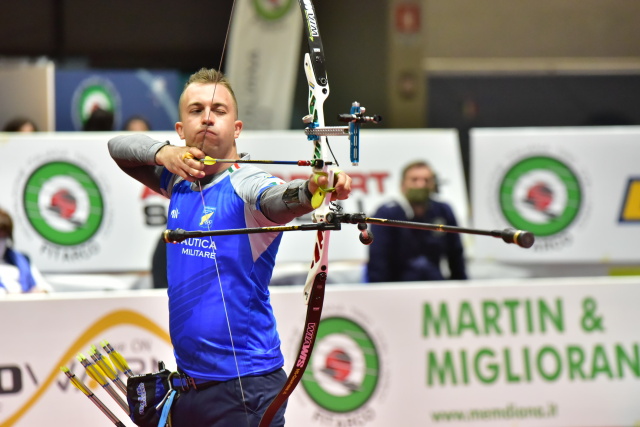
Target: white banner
{"points": [[529, 353], [263, 59], [73, 209], [76, 211], [576, 189], [34, 391]]}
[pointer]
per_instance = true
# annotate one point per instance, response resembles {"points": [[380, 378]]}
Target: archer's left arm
{"points": [[283, 203]]}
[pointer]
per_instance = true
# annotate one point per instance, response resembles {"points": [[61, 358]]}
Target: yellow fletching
{"points": [[75, 381], [95, 373], [208, 160]]}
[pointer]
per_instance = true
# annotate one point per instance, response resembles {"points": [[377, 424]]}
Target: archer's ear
{"points": [[238, 128], [180, 129]]}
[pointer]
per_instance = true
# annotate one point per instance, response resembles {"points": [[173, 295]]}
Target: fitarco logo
{"points": [[93, 93], [63, 203], [540, 194], [344, 369]]}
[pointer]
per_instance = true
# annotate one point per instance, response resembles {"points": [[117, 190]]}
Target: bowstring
{"points": [[214, 248], [224, 49], [212, 243]]}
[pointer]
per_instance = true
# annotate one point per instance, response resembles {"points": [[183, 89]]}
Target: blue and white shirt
{"points": [[202, 270]]}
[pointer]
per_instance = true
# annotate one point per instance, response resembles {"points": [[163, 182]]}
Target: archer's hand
{"points": [[341, 184], [180, 161]]}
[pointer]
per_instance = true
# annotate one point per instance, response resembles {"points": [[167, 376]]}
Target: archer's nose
{"points": [[207, 117]]}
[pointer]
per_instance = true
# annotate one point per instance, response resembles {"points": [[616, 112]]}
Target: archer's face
{"points": [[209, 124], [418, 177]]}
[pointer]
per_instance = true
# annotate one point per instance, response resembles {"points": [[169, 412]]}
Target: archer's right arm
{"points": [[143, 158]]}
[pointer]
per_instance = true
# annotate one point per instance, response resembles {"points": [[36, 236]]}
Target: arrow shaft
{"points": [[212, 161], [92, 397]]}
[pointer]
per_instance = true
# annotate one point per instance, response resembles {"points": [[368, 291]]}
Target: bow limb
{"points": [[314, 68], [318, 93], [315, 284]]}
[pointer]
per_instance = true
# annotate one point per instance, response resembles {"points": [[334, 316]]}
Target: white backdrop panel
{"points": [[524, 353]]}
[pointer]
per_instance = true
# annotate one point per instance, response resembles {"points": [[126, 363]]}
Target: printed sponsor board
{"points": [[527, 353], [76, 211], [125, 93], [574, 189]]}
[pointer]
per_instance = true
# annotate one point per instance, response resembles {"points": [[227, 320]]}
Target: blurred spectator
{"points": [[20, 124], [403, 254], [99, 120], [17, 273], [159, 265], [137, 124]]}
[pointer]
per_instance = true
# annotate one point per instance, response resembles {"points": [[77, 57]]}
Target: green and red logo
{"points": [[63, 203], [540, 194], [91, 94], [272, 9], [344, 367]]}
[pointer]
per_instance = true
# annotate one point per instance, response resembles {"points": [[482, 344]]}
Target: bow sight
{"points": [[354, 118]]}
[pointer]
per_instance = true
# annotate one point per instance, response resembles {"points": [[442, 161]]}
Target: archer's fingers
{"points": [[192, 168], [180, 161], [342, 185], [317, 181]]}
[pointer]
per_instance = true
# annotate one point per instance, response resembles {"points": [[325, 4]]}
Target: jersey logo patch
{"points": [[205, 219]]}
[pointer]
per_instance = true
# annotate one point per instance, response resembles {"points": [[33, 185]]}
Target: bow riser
{"points": [[317, 95], [314, 287]]}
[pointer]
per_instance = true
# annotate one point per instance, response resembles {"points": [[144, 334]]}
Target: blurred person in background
{"points": [[17, 273], [99, 120], [136, 124], [403, 254], [20, 124]]}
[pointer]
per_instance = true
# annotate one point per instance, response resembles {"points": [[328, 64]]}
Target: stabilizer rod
{"points": [[524, 239], [179, 235]]}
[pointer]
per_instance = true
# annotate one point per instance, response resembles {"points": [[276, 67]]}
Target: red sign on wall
{"points": [[408, 18]]}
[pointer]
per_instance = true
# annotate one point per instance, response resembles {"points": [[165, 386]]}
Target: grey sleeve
{"points": [[283, 203], [135, 154]]}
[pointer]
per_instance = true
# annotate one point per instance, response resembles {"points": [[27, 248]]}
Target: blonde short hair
{"points": [[210, 76]]}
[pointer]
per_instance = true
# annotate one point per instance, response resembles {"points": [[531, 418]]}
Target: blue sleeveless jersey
{"points": [[201, 271]]}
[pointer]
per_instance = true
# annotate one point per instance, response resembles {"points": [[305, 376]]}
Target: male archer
{"points": [[220, 318]]}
